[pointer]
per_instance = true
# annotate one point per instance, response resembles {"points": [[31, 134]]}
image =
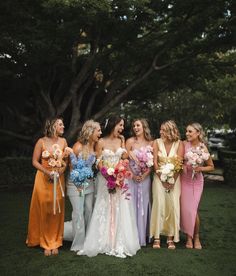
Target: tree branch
{"points": [[16, 135]]}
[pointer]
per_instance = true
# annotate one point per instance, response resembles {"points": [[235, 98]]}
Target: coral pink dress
{"points": [[191, 191]]}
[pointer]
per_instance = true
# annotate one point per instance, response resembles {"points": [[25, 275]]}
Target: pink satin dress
{"points": [[191, 191]]}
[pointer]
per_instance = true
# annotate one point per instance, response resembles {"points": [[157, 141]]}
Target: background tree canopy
{"points": [[85, 59]]}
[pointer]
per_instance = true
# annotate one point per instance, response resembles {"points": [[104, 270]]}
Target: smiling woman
{"points": [[46, 217], [139, 148], [80, 186], [112, 228], [197, 160]]}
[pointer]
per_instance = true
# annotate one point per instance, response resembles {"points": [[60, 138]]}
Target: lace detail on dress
{"points": [[112, 228]]}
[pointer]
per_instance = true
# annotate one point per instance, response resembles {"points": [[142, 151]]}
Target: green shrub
{"points": [[228, 162], [16, 172]]}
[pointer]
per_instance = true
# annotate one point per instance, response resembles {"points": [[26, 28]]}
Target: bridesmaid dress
{"points": [[141, 198], [75, 230], [165, 215], [191, 191], [46, 228]]}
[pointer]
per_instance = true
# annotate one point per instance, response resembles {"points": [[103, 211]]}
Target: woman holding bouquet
{"points": [[80, 186], [168, 155], [197, 160], [112, 228], [140, 149], [46, 217]]}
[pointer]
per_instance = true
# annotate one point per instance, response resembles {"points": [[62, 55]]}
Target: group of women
{"points": [[117, 223]]}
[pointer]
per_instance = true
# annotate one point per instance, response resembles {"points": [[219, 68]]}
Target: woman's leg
{"points": [[189, 242], [197, 243]]}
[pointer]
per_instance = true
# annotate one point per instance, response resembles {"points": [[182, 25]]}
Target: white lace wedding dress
{"points": [[112, 228]]}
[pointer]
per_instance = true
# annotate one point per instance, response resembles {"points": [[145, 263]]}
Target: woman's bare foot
{"points": [[156, 244], [55, 251], [170, 243], [47, 252], [189, 243], [197, 243]]}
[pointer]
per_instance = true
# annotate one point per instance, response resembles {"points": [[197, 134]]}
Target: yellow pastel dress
{"points": [[165, 214]]}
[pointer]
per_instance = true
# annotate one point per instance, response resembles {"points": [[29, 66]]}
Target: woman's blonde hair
{"points": [[146, 129], [50, 127], [87, 130], [199, 129], [171, 130]]}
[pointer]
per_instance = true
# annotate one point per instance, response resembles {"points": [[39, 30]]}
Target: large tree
{"points": [[82, 58]]}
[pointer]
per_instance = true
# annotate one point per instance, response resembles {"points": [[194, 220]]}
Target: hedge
{"points": [[228, 161], [16, 172]]}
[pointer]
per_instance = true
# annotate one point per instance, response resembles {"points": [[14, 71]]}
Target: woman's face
{"points": [[163, 132], [96, 133], [119, 128], [191, 133], [138, 128], [59, 127]]}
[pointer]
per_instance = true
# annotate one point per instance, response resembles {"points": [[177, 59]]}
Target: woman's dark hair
{"points": [[109, 124]]}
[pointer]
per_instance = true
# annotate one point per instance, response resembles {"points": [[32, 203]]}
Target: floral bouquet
{"points": [[145, 158], [116, 175], [168, 169], [82, 170], [56, 161], [196, 157]]}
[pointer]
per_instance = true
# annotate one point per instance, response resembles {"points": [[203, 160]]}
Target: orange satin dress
{"points": [[46, 228]]}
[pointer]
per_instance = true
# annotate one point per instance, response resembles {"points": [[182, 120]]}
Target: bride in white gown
{"points": [[112, 228]]}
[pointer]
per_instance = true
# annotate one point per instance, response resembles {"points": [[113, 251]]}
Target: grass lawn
{"points": [[218, 256]]}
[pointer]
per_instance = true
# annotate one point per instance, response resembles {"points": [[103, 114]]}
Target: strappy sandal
{"points": [[170, 244], [156, 244]]}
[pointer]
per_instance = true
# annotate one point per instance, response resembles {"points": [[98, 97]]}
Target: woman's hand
{"points": [[197, 169], [167, 185]]}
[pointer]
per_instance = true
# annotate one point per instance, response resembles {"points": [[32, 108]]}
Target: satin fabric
{"points": [[165, 214], [45, 229]]}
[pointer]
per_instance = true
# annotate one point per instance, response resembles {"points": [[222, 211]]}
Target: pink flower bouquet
{"points": [[145, 158], [116, 175], [196, 157]]}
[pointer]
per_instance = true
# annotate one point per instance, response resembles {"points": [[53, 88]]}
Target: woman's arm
{"points": [[37, 157], [209, 165], [98, 150], [155, 155], [180, 156]]}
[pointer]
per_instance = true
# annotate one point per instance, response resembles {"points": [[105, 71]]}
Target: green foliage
{"points": [[16, 173], [52, 50], [228, 162]]}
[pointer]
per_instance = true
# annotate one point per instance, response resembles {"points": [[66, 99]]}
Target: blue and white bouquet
{"points": [[81, 171]]}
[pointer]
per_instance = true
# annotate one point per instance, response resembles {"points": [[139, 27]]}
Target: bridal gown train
{"points": [[112, 228]]}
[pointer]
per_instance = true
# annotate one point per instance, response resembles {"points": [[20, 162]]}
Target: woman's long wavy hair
{"points": [[146, 129], [50, 127], [199, 129], [87, 130], [171, 130], [85, 133]]}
